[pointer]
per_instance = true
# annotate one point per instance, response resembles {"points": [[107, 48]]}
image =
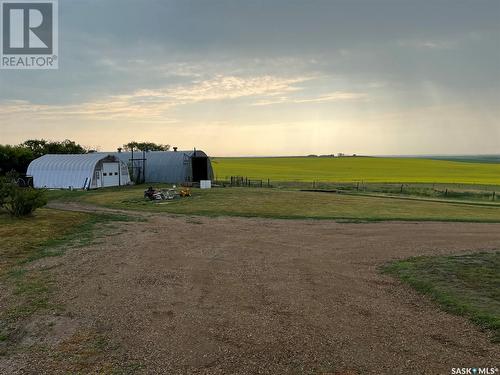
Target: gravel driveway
{"points": [[246, 296]]}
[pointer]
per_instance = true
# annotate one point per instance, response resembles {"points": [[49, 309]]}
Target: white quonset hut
{"points": [[168, 166], [82, 171]]}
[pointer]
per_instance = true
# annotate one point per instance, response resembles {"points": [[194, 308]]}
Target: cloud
{"points": [[224, 87], [429, 44], [154, 104], [331, 97]]}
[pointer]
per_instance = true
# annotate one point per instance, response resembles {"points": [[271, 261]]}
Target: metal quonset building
{"points": [[168, 166], [81, 171]]}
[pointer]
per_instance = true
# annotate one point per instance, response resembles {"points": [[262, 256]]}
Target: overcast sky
{"points": [[270, 77]]}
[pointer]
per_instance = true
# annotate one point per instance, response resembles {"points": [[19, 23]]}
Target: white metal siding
{"points": [[65, 171]]}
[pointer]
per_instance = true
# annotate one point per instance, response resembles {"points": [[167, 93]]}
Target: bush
{"points": [[4, 190], [3, 194], [20, 201]]}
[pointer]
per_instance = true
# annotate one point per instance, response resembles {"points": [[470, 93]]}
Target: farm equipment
{"points": [[154, 195], [185, 192], [165, 194]]}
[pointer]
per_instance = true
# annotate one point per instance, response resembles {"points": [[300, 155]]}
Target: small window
{"points": [[116, 173], [104, 174]]}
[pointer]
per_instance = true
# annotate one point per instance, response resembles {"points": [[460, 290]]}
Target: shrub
{"points": [[20, 201], [3, 196], [4, 190]]}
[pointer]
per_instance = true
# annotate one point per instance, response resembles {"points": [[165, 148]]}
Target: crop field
{"points": [[366, 169], [470, 158]]}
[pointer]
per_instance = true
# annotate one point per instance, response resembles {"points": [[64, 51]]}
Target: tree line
{"points": [[16, 158]]}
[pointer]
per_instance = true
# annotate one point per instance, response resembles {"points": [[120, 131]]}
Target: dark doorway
{"points": [[200, 170]]}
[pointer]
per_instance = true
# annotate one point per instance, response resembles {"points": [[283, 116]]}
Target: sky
{"points": [[267, 77]]}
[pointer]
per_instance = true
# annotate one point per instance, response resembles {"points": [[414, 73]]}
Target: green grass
{"points": [[47, 233], [291, 204], [30, 238], [27, 291], [367, 169], [23, 238], [466, 285]]}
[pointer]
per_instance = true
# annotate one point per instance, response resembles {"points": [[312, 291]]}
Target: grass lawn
{"points": [[27, 291], [367, 169], [275, 203], [467, 285], [22, 239]]}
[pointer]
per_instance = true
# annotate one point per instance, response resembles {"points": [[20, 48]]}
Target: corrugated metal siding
{"points": [[63, 171], [166, 166]]}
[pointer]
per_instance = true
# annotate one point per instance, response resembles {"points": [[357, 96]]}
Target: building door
{"points": [[110, 174], [200, 171]]}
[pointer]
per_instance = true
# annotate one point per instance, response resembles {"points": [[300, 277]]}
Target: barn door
{"points": [[199, 165], [110, 174]]}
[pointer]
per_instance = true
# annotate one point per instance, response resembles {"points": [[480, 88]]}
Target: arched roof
{"points": [[166, 166], [62, 171]]}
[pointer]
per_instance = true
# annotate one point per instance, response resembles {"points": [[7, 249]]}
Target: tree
{"points": [[145, 146], [37, 146], [14, 158], [41, 147], [17, 158]]}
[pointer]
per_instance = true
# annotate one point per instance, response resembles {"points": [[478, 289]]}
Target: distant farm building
{"points": [[82, 171], [167, 166]]}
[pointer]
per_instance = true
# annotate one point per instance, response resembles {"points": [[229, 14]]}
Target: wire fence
{"points": [[427, 190]]}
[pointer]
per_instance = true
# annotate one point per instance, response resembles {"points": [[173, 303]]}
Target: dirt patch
{"points": [[90, 208], [234, 295], [49, 330]]}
